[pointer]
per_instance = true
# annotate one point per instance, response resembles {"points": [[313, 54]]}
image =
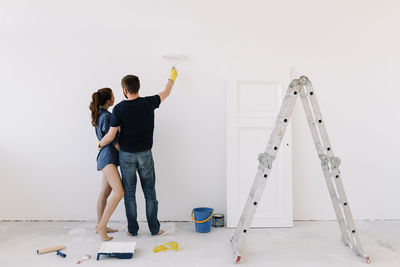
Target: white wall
{"points": [[54, 54]]}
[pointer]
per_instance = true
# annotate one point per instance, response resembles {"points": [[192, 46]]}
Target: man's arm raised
{"points": [[172, 77]]}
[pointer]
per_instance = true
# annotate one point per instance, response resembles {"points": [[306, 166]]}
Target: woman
{"points": [[107, 161]]}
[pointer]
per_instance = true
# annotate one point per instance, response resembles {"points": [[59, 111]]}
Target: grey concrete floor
{"points": [[307, 244]]}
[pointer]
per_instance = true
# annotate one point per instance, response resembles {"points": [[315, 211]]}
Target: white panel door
{"points": [[254, 96]]}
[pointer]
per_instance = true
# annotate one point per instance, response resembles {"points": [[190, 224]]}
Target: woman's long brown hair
{"points": [[99, 98]]}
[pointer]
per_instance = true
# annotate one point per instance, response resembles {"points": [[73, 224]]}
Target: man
{"points": [[135, 119]]}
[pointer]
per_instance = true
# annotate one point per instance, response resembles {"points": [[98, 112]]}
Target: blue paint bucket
{"points": [[202, 219]]}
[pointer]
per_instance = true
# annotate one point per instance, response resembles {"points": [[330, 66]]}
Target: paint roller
{"points": [[50, 249], [175, 58]]}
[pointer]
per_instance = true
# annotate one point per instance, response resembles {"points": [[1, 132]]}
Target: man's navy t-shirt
{"points": [[136, 118]]}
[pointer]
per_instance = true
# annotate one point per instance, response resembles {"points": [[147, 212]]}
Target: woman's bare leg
{"points": [[102, 201], [114, 180]]}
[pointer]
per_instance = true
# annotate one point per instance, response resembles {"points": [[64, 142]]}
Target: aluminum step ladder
{"points": [[330, 167]]}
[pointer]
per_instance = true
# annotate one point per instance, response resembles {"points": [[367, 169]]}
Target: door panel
{"points": [[254, 97]]}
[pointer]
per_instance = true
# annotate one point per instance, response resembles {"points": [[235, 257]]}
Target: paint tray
{"points": [[121, 250]]}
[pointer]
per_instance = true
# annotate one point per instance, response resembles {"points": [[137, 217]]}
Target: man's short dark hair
{"points": [[131, 83]]}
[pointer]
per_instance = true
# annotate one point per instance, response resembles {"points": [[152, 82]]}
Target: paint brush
{"points": [[84, 259]]}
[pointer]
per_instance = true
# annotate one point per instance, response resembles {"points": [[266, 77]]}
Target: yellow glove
{"points": [[174, 74]]}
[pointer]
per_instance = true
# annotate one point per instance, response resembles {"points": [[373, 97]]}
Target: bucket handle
{"points": [[212, 213]]}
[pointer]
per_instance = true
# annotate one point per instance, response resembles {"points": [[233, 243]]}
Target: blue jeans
{"points": [[143, 163]]}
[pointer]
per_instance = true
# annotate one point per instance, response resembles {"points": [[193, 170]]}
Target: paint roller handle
{"points": [[173, 74], [50, 249]]}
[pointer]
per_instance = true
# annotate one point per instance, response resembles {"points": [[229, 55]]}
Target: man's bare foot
{"points": [[160, 232], [102, 231], [109, 230], [131, 234]]}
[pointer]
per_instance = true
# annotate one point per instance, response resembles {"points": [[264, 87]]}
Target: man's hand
{"points": [[109, 137], [173, 74], [117, 146]]}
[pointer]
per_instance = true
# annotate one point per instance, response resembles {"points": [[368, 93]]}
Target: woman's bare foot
{"points": [[109, 230], [102, 231]]}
